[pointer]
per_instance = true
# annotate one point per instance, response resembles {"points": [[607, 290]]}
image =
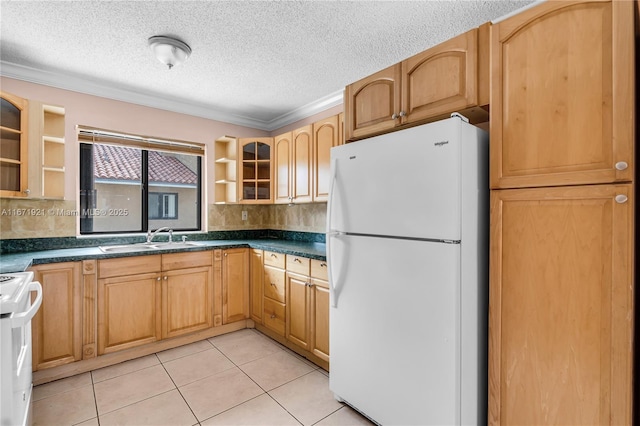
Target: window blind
{"points": [[95, 135]]}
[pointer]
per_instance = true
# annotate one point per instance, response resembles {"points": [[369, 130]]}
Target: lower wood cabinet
{"points": [[319, 314], [298, 328], [561, 306], [295, 303], [235, 284], [274, 292], [57, 327], [256, 282], [148, 298]]}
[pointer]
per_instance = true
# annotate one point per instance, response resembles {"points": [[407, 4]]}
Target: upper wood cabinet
{"points": [[255, 170], [562, 95], [282, 150], [293, 155], [452, 76], [326, 135], [561, 306], [226, 170], [302, 164], [15, 149], [370, 104], [47, 150]]}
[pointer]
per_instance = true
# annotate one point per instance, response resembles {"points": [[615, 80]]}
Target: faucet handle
{"points": [[184, 238], [170, 235]]}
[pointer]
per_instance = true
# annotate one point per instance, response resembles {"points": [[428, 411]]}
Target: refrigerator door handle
{"points": [[330, 232]]}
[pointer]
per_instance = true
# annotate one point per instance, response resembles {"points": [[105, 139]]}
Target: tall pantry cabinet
{"points": [[562, 212]]}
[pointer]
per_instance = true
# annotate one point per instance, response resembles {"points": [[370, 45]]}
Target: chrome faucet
{"points": [[150, 234]]}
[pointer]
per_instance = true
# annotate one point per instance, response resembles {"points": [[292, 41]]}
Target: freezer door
{"points": [[406, 183], [395, 329]]}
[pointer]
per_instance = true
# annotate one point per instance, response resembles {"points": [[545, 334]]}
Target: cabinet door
{"points": [[14, 155], [129, 311], [371, 103], [57, 327], [255, 285], [254, 171], [297, 308], [561, 306], [302, 164], [325, 137], [235, 285], [320, 318], [441, 79], [282, 148], [562, 95], [187, 301]]}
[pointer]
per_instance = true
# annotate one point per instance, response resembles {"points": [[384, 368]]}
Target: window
{"points": [[163, 206], [132, 184]]}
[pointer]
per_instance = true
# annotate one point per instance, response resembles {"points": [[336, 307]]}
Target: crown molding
{"points": [[331, 100], [89, 87]]}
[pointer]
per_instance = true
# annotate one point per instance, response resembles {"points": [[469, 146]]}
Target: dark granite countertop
{"points": [[17, 262]]}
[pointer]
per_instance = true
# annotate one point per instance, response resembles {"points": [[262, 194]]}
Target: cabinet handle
{"points": [[297, 260], [273, 284], [621, 165], [309, 285], [402, 114], [272, 316], [166, 277], [621, 198], [273, 255], [226, 254], [394, 116], [158, 279], [27, 191], [323, 265]]}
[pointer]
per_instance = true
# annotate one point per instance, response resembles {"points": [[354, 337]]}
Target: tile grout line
{"points": [[178, 389]]}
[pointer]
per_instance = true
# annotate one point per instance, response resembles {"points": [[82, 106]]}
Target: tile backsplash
{"points": [[29, 218], [309, 217]]}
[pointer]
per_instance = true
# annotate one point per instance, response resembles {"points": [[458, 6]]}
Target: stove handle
{"points": [[20, 320]]}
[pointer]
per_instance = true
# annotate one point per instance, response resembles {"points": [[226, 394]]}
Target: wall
{"points": [[56, 218]]}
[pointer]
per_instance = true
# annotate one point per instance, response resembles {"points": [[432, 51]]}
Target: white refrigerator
{"points": [[407, 249]]}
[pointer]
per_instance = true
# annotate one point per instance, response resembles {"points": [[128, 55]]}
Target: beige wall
{"points": [[88, 110]]}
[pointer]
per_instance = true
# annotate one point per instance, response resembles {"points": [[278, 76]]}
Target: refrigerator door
{"points": [[394, 331], [406, 183]]}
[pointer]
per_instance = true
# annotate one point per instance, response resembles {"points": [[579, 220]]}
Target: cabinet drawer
{"points": [[274, 316], [187, 259], [297, 264], [319, 269], [274, 259], [274, 280], [128, 266]]}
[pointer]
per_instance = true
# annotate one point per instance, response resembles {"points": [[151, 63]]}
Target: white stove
{"points": [[13, 289], [16, 312]]}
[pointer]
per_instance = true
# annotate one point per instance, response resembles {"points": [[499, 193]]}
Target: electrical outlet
{"points": [[244, 215]]}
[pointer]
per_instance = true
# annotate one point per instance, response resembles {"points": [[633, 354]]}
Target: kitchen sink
{"points": [[135, 247], [128, 248], [177, 245]]}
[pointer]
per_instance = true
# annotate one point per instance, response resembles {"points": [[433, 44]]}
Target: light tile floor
{"points": [[240, 378]]}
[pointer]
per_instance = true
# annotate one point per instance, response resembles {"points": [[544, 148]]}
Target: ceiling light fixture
{"points": [[170, 51]]}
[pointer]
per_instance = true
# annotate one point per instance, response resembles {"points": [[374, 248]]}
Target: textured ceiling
{"points": [[262, 64]]}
